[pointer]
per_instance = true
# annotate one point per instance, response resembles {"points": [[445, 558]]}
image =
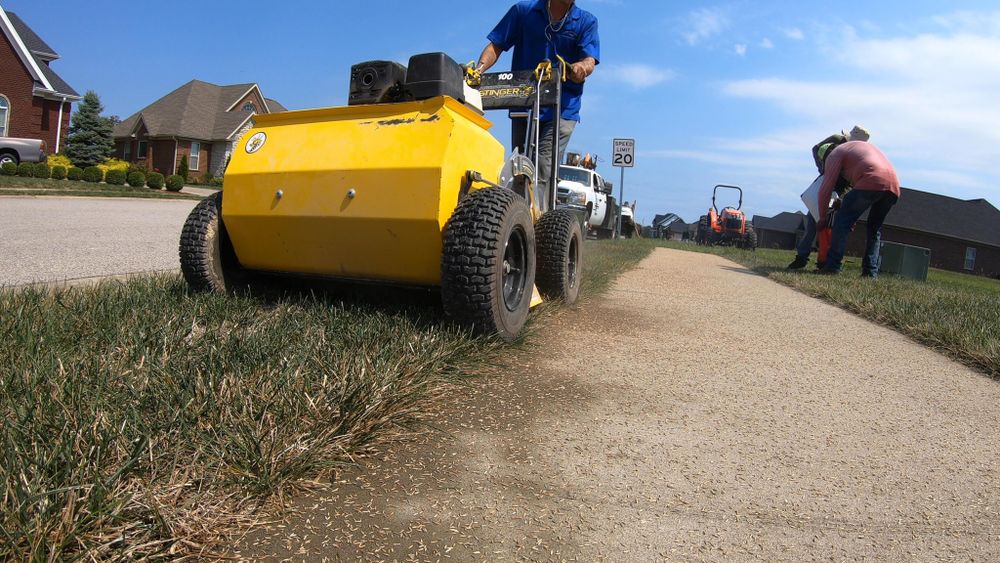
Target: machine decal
{"points": [[256, 142]]}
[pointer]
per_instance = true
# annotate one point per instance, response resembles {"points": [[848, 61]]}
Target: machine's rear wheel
{"points": [[750, 239], [208, 260], [8, 157], [560, 255], [488, 262]]}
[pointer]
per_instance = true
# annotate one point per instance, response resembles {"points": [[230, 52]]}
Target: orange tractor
{"points": [[727, 227]]}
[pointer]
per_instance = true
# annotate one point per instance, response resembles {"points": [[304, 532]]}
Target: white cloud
{"points": [[636, 75], [740, 49], [766, 43], [704, 23], [929, 101], [795, 34]]}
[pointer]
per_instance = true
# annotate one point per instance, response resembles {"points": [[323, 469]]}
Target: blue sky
{"points": [[728, 92]]}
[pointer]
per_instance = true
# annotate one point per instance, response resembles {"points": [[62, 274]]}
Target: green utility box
{"points": [[904, 260]]}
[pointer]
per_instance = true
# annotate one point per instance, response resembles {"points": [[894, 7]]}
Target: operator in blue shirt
{"points": [[539, 30]]}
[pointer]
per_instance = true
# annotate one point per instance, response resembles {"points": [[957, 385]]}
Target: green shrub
{"points": [[74, 173], [136, 179], [217, 182], [115, 177], [26, 169], [8, 169], [155, 180], [135, 167], [42, 170], [182, 168], [58, 172], [92, 174], [175, 183]]}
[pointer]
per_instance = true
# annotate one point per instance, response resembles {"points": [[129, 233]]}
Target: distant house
{"points": [[199, 120], [35, 102], [661, 227], [781, 231], [962, 235]]}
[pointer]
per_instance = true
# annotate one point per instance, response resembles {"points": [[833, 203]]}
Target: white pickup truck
{"points": [[585, 191], [22, 150]]}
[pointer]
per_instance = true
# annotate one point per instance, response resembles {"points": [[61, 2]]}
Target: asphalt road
{"points": [[699, 412], [55, 239]]}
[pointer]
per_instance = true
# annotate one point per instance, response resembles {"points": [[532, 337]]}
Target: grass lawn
{"points": [[143, 421], [15, 185], [957, 314]]}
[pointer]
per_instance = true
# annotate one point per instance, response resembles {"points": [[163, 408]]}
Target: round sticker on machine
{"points": [[256, 142]]}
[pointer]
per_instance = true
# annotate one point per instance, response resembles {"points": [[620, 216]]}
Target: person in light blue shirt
{"points": [[538, 30]]}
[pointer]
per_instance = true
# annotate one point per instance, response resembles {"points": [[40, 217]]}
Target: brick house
{"points": [[199, 120], [35, 103], [783, 231], [962, 235]]}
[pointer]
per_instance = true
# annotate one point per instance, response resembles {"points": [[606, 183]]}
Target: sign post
{"points": [[622, 156]]}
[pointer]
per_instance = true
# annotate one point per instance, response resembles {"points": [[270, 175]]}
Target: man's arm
{"points": [[488, 58], [580, 70], [831, 175]]}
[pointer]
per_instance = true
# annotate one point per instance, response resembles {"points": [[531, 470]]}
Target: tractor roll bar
{"points": [[727, 186]]}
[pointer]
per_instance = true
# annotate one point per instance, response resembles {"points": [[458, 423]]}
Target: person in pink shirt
{"points": [[875, 189]]}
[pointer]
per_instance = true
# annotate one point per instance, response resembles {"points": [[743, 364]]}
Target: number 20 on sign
{"points": [[624, 153]]}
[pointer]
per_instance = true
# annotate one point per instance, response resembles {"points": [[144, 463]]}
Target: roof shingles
{"points": [[196, 110]]}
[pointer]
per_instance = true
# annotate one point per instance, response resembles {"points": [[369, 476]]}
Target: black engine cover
{"points": [[376, 82], [435, 74]]}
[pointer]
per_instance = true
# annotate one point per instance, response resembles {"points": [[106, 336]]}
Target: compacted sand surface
{"points": [[696, 412]]}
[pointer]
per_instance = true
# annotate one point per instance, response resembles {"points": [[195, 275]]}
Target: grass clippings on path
{"points": [[141, 421], [957, 314], [17, 186]]}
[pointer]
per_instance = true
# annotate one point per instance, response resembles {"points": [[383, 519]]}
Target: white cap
{"points": [[859, 133]]}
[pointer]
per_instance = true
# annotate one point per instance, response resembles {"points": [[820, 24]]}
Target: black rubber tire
{"points": [[560, 256], [701, 235], [208, 260], [473, 263], [750, 239], [9, 156]]}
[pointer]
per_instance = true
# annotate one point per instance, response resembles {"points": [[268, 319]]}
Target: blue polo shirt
{"points": [[526, 28]]}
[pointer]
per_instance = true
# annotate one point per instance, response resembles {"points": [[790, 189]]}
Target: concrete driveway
{"points": [[51, 239]]}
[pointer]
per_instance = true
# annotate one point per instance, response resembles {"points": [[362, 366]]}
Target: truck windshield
{"points": [[574, 175]]}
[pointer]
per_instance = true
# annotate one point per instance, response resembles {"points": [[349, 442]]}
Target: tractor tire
{"points": [[701, 235], [750, 239], [488, 263], [208, 261], [560, 256]]}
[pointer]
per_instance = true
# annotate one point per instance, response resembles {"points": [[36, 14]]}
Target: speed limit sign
{"points": [[623, 155]]}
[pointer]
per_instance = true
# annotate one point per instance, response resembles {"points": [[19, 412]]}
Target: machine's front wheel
{"points": [[208, 260], [560, 255], [488, 262]]}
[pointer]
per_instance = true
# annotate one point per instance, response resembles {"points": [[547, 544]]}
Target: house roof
{"points": [[31, 40], [783, 222], [274, 105], [665, 220], [971, 220], [197, 110], [36, 55]]}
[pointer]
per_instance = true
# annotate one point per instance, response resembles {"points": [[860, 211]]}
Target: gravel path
{"points": [[707, 423], [49, 239]]}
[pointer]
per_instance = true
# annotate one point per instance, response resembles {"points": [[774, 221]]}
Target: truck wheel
{"points": [[208, 260], [6, 157], [560, 255], [488, 262]]}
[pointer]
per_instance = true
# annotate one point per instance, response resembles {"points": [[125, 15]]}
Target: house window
{"points": [[143, 149], [127, 151], [195, 161], [249, 107], [4, 115], [970, 259]]}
